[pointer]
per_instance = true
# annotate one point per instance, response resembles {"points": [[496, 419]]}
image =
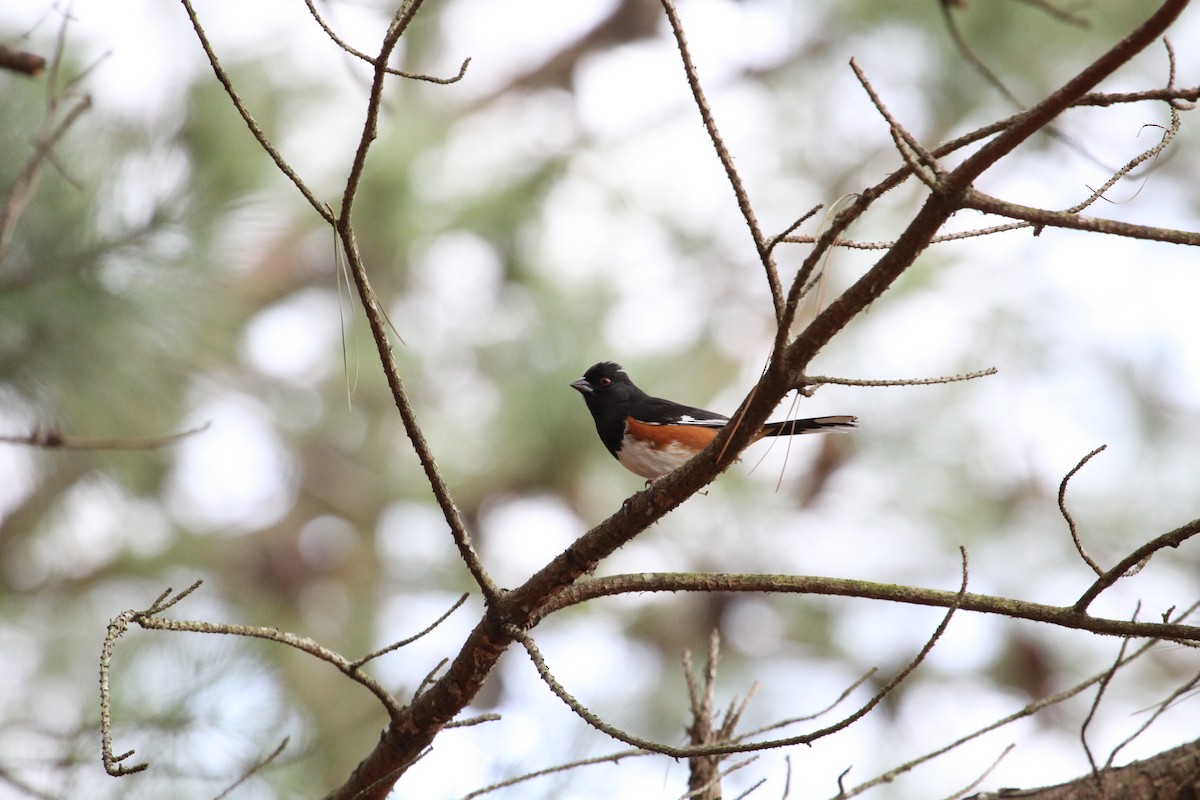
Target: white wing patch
{"points": [[688, 419]]}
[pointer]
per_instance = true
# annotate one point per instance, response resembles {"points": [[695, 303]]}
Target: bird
{"points": [[651, 436]]}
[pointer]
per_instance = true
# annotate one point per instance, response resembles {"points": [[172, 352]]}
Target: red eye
{"points": [[605, 381]]}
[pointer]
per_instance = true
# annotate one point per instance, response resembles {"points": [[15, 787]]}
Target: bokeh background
{"points": [[559, 206]]}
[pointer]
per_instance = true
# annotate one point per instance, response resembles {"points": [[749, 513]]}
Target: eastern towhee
{"points": [[651, 436]]}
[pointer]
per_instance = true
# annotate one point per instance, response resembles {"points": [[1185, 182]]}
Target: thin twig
{"points": [[1154, 151], [866, 676], [416, 76], [955, 190], [595, 721], [149, 620], [320, 207], [257, 767], [429, 677], [22, 189], [1178, 98], [1062, 507], [403, 642], [301, 643], [927, 161], [1176, 693], [52, 439], [470, 722], [613, 758], [735, 180], [1061, 14], [983, 776], [377, 319], [809, 383], [964, 49], [112, 761], [1028, 711], [1170, 539], [717, 779], [784, 235], [1094, 706]]}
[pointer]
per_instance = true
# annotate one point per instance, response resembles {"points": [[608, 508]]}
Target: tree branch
{"points": [[761, 245], [1062, 616], [320, 207]]}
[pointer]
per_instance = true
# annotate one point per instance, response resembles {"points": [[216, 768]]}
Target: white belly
{"points": [[651, 462]]}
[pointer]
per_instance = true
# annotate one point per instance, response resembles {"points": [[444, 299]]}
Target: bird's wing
{"points": [[657, 411]]}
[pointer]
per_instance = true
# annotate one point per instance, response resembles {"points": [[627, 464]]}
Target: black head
{"points": [[605, 382], [609, 395]]}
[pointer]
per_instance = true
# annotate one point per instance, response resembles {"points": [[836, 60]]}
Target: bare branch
{"points": [[112, 761], [1062, 507], [1061, 14], [1172, 96], [397, 645], [470, 722], [429, 677], [1028, 711], [149, 620], [735, 181], [983, 776], [1179, 691], [52, 439], [1063, 616], [1045, 218], [1170, 539], [258, 766], [377, 319], [704, 774], [1101, 687], [965, 49], [919, 159], [809, 383], [954, 190], [866, 676], [785, 235], [1151, 152], [1037, 117], [612, 758], [320, 207], [416, 76], [301, 643], [22, 189], [851, 244], [740, 747]]}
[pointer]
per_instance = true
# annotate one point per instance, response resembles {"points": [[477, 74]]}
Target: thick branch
{"points": [[1167, 776]]}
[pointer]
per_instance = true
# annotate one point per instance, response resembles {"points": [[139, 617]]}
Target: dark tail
{"points": [[793, 427]]}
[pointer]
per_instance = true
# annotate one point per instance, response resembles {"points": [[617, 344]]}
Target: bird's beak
{"points": [[582, 385]]}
